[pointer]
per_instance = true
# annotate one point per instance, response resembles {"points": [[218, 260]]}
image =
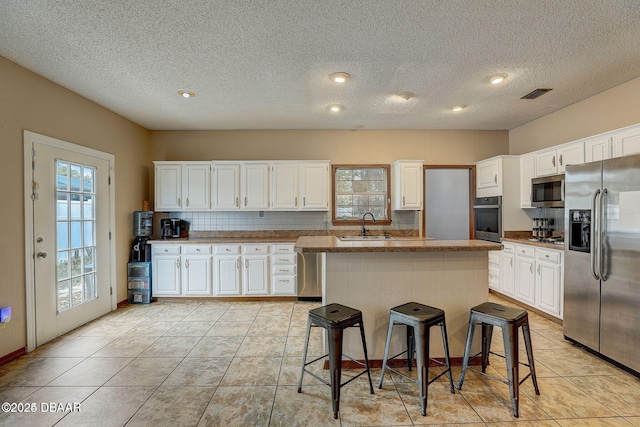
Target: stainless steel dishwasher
{"points": [[309, 277]]}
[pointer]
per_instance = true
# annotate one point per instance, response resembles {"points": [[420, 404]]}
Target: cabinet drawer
{"points": [[508, 248], [139, 269], [255, 249], [282, 248], [284, 269], [549, 255], [284, 285], [196, 249], [284, 259], [227, 249], [528, 251], [166, 250], [138, 283]]}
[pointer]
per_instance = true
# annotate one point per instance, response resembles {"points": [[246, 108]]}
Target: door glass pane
{"points": [[76, 266], [62, 206]]}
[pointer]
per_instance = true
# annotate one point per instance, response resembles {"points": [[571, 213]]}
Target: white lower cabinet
{"points": [[190, 269], [525, 278], [197, 277], [283, 270], [166, 271], [494, 270], [255, 276], [549, 281], [532, 275], [507, 270], [181, 270]]}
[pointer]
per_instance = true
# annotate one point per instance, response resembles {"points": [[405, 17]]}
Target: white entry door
{"points": [[72, 256]]}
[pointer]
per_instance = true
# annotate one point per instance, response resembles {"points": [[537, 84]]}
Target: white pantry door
{"points": [[71, 242]]}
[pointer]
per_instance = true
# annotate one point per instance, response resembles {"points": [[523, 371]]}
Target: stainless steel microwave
{"points": [[548, 192]]}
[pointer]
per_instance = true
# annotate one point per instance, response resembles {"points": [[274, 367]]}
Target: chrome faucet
{"points": [[364, 230]]}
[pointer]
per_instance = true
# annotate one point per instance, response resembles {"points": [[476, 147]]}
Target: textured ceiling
{"points": [[265, 64]]}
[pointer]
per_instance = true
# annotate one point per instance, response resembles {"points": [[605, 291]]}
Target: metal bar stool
{"points": [[419, 319], [509, 319], [334, 318]]}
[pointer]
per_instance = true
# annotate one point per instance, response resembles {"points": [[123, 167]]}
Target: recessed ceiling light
{"points": [[458, 108], [335, 108], [497, 79], [406, 95], [186, 93], [339, 77]]}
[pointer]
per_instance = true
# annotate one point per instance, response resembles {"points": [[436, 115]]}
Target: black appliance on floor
{"points": [[139, 268]]}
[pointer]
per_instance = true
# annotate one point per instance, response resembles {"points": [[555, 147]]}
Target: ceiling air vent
{"points": [[535, 93]]}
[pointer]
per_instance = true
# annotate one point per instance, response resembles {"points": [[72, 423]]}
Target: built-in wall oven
{"points": [[488, 218]]}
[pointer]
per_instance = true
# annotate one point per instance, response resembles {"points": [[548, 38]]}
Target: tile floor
{"points": [[188, 363]]}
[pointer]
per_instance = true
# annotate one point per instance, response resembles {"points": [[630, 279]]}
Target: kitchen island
{"points": [[375, 276]]}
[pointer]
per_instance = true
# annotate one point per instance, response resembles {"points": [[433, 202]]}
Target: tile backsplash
{"points": [[284, 220], [554, 214]]}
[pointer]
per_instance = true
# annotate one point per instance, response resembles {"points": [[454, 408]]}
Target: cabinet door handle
{"points": [[538, 270], [179, 203], [187, 202], [304, 200], [553, 160], [511, 262], [495, 178], [245, 201], [178, 264], [186, 264], [236, 202], [246, 263], [560, 159], [531, 268], [403, 201], [295, 203], [238, 264]]}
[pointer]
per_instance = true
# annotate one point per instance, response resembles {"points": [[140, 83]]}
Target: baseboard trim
{"points": [[13, 356]]}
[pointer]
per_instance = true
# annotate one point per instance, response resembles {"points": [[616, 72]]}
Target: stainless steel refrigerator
{"points": [[602, 258]]}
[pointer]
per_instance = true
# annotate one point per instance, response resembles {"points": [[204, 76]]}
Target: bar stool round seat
{"points": [[419, 319], [335, 318], [490, 314]]}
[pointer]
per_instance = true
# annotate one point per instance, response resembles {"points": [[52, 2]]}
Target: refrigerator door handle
{"points": [[594, 235], [602, 234]]}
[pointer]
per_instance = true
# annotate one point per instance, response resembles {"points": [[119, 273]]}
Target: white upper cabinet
{"points": [[255, 186], [226, 186], [196, 186], [284, 192], [182, 186], [168, 186], [489, 177], [546, 163], [597, 148], [408, 176], [626, 142], [314, 186], [527, 173], [555, 161], [570, 154]]}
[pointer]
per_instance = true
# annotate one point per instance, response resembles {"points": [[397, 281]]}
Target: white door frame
{"points": [[29, 139]]}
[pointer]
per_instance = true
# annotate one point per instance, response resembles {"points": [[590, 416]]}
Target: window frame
{"points": [[358, 222]]}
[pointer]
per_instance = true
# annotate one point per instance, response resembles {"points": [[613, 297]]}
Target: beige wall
{"points": [[30, 102], [362, 146], [613, 109]]}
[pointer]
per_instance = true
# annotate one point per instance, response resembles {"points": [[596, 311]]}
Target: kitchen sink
{"points": [[360, 238]]}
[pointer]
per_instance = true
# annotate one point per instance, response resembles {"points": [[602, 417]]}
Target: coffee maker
{"points": [[171, 228]]}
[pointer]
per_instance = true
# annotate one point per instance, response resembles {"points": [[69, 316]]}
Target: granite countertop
{"points": [[311, 244], [539, 244]]}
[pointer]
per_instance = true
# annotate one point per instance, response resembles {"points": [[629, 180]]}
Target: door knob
{"points": [[41, 255]]}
